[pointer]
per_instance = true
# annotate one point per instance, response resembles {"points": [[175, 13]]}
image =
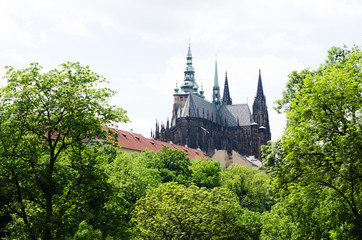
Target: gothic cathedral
{"points": [[216, 125]]}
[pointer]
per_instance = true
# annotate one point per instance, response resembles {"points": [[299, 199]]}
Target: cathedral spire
{"points": [[189, 84], [226, 99], [260, 110], [189, 55], [260, 93], [216, 89]]}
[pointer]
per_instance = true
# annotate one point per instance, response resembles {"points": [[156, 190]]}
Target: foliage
{"points": [[173, 211], [300, 215], [172, 164], [322, 143], [311, 212], [50, 124], [252, 221], [86, 232], [205, 173], [249, 185], [131, 179]]}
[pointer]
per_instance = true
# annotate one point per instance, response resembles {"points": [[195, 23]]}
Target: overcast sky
{"points": [[140, 46]]}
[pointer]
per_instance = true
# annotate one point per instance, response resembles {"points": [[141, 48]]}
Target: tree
{"points": [[86, 232], [172, 164], [49, 164], [322, 143], [205, 173], [249, 185], [304, 214], [174, 211], [130, 179]]}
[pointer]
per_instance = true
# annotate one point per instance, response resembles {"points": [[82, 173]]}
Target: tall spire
{"points": [[189, 84], [216, 89], [189, 55], [226, 99], [260, 110], [260, 93]]}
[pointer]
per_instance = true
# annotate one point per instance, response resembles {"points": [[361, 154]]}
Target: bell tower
{"points": [[189, 85], [260, 110]]}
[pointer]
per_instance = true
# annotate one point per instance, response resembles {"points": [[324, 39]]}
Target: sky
{"points": [[140, 46]]}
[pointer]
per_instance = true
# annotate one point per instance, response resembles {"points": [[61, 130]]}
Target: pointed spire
{"points": [[216, 89], [157, 131], [189, 58], [216, 76], [226, 100], [260, 93], [189, 55], [260, 110], [189, 84]]}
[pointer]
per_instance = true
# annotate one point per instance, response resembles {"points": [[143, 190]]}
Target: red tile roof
{"points": [[137, 142]]}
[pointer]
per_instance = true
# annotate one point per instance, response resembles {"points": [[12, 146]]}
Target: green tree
{"points": [[49, 125], [250, 185], [205, 173], [131, 179], [304, 214], [172, 164], [174, 211], [86, 232], [322, 143]]}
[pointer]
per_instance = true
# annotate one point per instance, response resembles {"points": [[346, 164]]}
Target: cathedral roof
{"points": [[196, 106], [230, 115], [235, 115]]}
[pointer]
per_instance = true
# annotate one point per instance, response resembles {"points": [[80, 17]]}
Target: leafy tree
{"points": [[49, 166], [174, 211], [301, 215], [131, 179], [249, 185], [86, 232], [322, 143], [205, 173], [172, 164]]}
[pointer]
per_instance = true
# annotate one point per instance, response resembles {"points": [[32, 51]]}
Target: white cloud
{"points": [[12, 33]]}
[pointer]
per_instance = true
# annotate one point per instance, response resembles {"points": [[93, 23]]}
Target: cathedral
{"points": [[216, 125]]}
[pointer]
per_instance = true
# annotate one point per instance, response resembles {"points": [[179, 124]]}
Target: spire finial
{"points": [[189, 40]]}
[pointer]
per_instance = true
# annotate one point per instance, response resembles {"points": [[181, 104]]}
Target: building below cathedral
{"points": [[216, 125]]}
